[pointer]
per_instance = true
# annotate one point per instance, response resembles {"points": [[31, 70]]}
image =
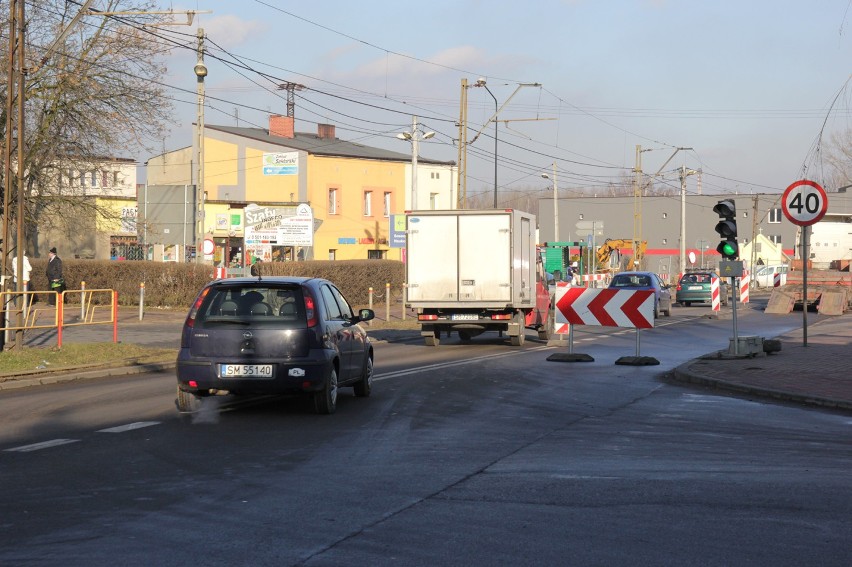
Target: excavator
{"points": [[609, 254]]}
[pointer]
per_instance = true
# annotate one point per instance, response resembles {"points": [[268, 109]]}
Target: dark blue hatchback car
{"points": [[273, 335]]}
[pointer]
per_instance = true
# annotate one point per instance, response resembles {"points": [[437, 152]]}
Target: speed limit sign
{"points": [[804, 202]]}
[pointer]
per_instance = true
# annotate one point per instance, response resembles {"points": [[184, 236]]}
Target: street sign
{"points": [[804, 202]]}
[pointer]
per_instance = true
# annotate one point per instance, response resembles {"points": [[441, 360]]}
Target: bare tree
{"points": [[838, 156], [97, 96]]}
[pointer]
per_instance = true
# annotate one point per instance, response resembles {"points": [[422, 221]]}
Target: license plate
{"points": [[465, 317], [695, 287], [245, 370]]}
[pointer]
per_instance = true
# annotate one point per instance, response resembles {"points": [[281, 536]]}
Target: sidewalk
{"points": [[819, 374]]}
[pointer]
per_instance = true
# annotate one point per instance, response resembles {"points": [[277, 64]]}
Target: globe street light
{"points": [[414, 137], [480, 82]]}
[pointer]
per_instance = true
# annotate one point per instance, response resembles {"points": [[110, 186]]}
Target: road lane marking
{"points": [[128, 427], [42, 445], [450, 364]]}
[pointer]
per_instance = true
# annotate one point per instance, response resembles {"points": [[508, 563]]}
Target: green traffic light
{"points": [[728, 249]]}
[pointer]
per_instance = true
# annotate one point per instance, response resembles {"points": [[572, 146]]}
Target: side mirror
{"points": [[366, 314]]}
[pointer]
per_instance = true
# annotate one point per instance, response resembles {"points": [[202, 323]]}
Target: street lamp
{"points": [[200, 72], [414, 137], [555, 205], [480, 82]]}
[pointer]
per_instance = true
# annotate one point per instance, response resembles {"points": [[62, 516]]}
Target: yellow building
{"points": [[353, 190]]}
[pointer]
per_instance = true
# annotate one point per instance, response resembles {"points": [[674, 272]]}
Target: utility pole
{"points": [[753, 255], [684, 173], [461, 194], [637, 206]]}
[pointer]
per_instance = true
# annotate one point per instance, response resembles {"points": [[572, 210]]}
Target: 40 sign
{"points": [[804, 202]]}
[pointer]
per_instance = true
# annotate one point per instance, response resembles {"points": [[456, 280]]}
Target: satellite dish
{"points": [[692, 257]]}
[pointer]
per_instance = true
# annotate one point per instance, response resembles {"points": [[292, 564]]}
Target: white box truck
{"points": [[472, 271]]}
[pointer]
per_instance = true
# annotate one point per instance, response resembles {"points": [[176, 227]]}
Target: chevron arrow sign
{"points": [[605, 307]]}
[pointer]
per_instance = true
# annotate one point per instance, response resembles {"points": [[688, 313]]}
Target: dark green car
{"points": [[694, 287]]}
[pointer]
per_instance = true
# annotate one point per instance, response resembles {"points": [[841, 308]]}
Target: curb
{"points": [[683, 374], [74, 374]]}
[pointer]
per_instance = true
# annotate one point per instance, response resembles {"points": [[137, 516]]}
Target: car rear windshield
{"points": [[696, 278], [256, 303], [631, 280]]}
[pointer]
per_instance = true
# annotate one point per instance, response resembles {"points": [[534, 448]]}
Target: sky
{"points": [[751, 90]]}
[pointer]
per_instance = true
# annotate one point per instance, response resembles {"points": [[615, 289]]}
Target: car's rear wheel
{"points": [[365, 385], [686, 303], [187, 402], [325, 401]]}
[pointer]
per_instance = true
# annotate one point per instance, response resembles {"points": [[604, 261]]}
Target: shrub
{"points": [[169, 284]]}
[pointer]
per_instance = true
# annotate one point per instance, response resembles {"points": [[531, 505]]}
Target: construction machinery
{"points": [[609, 254]]}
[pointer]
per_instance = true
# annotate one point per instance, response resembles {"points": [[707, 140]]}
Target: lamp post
{"points": [[480, 82], [555, 205], [414, 137], [200, 72]]}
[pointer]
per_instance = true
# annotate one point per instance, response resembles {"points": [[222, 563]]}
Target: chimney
{"points": [[325, 131], [281, 126]]}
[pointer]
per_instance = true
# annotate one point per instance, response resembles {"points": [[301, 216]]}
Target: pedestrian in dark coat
{"points": [[55, 280]]}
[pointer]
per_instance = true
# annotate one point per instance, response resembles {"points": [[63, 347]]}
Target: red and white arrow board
{"points": [[605, 307]]}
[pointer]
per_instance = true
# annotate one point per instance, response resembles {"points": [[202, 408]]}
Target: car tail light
{"points": [[190, 319], [310, 309], [501, 316], [678, 286], [425, 317]]}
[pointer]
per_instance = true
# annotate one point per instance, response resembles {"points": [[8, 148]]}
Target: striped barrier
{"points": [[744, 285], [714, 294], [776, 280]]}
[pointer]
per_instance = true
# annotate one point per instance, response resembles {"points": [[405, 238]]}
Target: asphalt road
{"points": [[478, 454]]}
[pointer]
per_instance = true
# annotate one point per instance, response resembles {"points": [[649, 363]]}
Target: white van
{"points": [[764, 276]]}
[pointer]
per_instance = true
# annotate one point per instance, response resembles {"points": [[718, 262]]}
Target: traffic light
{"points": [[727, 229]]}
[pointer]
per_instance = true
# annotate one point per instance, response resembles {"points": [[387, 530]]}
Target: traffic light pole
{"points": [[734, 314]]}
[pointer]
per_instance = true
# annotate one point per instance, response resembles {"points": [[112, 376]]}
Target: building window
{"points": [[433, 201], [368, 203], [776, 239], [436, 175], [665, 215], [332, 201], [332, 254], [387, 204], [376, 254], [93, 175], [774, 216]]}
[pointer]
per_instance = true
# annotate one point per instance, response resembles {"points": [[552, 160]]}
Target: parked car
{"points": [[646, 281], [764, 276], [695, 287], [273, 335]]}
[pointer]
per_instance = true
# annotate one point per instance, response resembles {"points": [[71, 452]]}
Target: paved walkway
{"points": [[819, 374]]}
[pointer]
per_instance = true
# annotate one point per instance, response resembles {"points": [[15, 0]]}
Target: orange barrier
{"points": [[93, 310]]}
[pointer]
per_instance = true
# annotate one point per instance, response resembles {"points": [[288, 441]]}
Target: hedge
{"points": [[173, 285]]}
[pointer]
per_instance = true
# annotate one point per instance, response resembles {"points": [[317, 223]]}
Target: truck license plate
{"points": [[245, 370], [465, 317], [696, 287]]}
